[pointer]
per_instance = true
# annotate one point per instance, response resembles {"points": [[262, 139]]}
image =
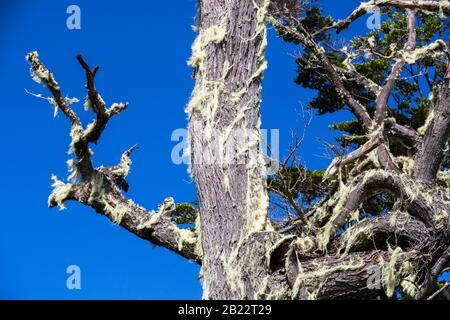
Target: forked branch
{"points": [[101, 187]]}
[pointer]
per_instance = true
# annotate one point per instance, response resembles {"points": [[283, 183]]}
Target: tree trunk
{"points": [[224, 126]]}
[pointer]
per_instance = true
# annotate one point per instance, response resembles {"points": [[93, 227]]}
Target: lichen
{"points": [[443, 4], [186, 236], [429, 120], [317, 279], [76, 134], [441, 219], [260, 293], [237, 96], [150, 220], [123, 168], [329, 230], [353, 235], [87, 104], [398, 271], [72, 169], [39, 73], [411, 57], [214, 34], [60, 193], [205, 99], [305, 244], [406, 164], [198, 231], [117, 213]]}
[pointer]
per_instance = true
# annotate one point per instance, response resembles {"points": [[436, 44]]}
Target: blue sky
{"points": [[142, 48]]}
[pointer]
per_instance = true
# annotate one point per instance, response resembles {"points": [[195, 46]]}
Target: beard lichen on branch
{"points": [[430, 51], [113, 209], [399, 271], [257, 198], [312, 282], [206, 96], [61, 192]]}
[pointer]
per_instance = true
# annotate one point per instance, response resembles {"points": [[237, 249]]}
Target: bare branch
{"points": [[367, 7], [434, 273], [43, 76], [383, 97], [410, 136], [352, 73], [389, 229], [103, 195], [340, 162], [100, 188], [442, 289], [308, 41]]}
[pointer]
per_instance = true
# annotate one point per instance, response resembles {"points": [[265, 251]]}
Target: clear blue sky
{"points": [[142, 48]]}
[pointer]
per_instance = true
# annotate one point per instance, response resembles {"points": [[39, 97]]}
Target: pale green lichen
{"points": [[214, 34], [312, 282], [123, 168], [257, 202], [198, 231], [408, 285], [261, 292], [114, 211], [353, 236], [406, 164], [369, 6], [206, 99], [398, 271], [305, 244], [329, 230], [117, 213], [441, 219], [276, 246], [60, 193], [234, 265], [87, 104], [233, 271], [428, 122], [97, 189], [39, 73], [72, 169], [186, 236], [443, 178], [150, 220], [443, 4], [76, 134], [237, 96], [411, 57]]}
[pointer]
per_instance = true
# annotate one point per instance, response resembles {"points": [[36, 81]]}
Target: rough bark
{"points": [[228, 57], [429, 157]]}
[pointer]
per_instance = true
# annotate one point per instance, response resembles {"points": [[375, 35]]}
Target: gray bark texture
{"points": [[242, 255], [227, 99]]}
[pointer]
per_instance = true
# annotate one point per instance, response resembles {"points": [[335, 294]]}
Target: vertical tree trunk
{"points": [[224, 127], [437, 131]]}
